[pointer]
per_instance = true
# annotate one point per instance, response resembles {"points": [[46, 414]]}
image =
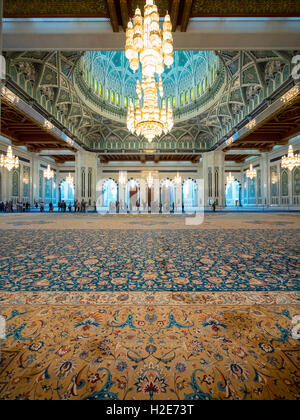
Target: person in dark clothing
{"points": [[70, 207], [214, 206], [50, 207]]}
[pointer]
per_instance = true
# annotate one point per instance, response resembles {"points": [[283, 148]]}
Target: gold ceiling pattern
{"points": [[100, 8]]}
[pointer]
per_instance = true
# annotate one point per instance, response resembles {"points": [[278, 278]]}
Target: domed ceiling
{"points": [[108, 75], [85, 92]]}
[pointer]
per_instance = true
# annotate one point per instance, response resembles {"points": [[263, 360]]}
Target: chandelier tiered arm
{"points": [[146, 42], [9, 161], [291, 160]]}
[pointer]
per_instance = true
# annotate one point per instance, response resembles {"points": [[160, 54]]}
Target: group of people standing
{"points": [[23, 207], [7, 207], [79, 206]]}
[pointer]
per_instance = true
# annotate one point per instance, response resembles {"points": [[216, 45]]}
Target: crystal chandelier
{"points": [[122, 177], [177, 179], [70, 179], [9, 161], [251, 173], [145, 42], [148, 120], [48, 173], [291, 160], [150, 180], [230, 179]]}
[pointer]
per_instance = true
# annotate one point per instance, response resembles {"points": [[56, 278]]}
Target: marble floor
{"points": [[146, 307]]}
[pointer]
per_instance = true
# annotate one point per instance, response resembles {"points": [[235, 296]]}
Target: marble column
{"points": [[85, 176], [213, 175], [5, 183], [178, 196], [143, 192], [265, 179]]}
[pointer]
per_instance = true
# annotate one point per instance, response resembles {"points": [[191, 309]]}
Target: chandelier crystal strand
{"points": [[251, 173], [9, 161], [291, 160]]}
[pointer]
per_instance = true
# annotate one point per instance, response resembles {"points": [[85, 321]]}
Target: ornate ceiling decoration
{"points": [[118, 11], [48, 79], [110, 69]]}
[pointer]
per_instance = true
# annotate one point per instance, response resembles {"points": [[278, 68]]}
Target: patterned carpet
{"points": [[206, 260], [94, 221], [149, 352], [139, 312]]}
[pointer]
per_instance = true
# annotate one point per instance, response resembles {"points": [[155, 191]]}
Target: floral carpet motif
{"points": [[125, 308], [113, 352], [141, 260]]}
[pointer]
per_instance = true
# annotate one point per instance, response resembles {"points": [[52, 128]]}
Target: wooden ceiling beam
{"points": [[291, 133], [186, 15], [113, 15], [124, 13], [174, 13]]}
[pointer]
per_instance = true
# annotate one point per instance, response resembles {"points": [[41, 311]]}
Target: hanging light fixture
{"points": [[251, 173], [9, 161], [146, 43], [177, 179], [150, 180], [48, 173], [70, 179], [274, 178], [148, 120], [230, 179], [291, 160], [122, 177]]}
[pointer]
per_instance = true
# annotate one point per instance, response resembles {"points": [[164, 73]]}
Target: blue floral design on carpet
{"points": [[137, 260]]}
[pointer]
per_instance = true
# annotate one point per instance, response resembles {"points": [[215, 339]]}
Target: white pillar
{"points": [[85, 176], [265, 179], [143, 192], [213, 171]]}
